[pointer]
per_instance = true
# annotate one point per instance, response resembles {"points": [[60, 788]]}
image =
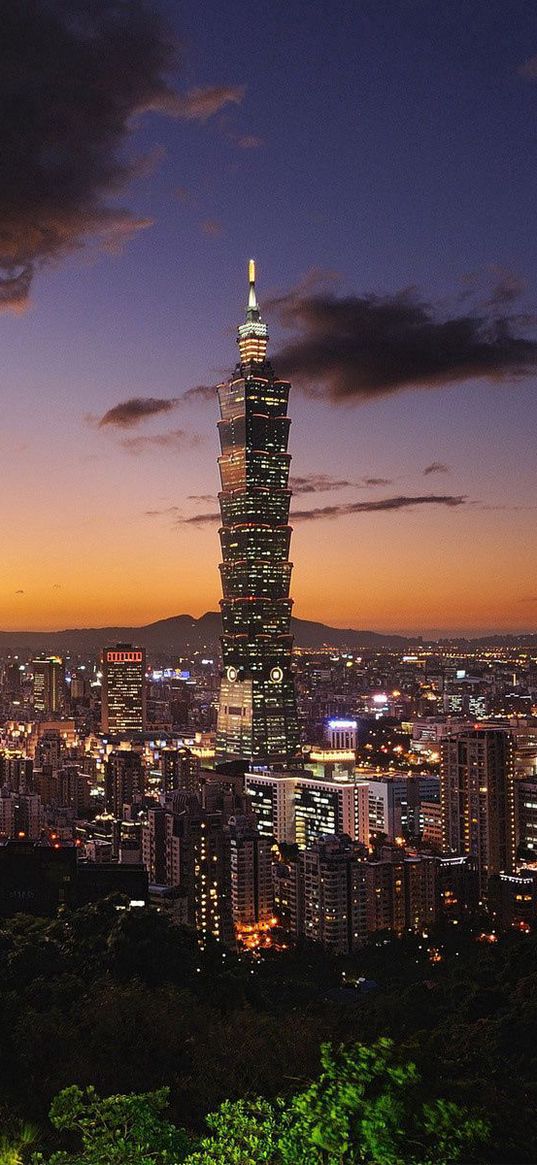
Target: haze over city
{"points": [[378, 161]]}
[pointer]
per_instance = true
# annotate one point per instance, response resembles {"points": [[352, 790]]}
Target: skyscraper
{"points": [[48, 685], [257, 710], [123, 699]]}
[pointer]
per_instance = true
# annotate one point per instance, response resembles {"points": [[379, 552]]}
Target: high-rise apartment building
{"points": [[477, 798], [250, 857], [526, 818], [299, 807], [272, 799], [124, 781], [257, 716], [123, 697], [334, 912], [180, 770], [330, 807], [48, 685]]}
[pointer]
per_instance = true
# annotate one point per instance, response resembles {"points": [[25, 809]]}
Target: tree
{"points": [[117, 1130], [14, 1147], [365, 1108], [244, 1132]]}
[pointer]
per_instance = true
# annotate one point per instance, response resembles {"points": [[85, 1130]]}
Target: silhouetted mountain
{"points": [[182, 635]]}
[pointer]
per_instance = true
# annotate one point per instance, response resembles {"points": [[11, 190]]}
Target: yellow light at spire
{"points": [[251, 271]]}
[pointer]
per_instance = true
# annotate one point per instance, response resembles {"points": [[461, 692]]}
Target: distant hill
{"points": [[182, 635]]}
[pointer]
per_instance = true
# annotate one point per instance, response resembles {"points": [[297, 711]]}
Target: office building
{"points": [[257, 717], [342, 734], [123, 695], [48, 685], [477, 799]]}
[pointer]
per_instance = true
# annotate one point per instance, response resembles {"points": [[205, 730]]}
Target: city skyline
{"points": [[392, 201]]}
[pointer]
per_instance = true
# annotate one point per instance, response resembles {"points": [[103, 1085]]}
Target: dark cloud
{"points": [[200, 519], [361, 347], [131, 412], [384, 504], [323, 483], [201, 498], [138, 408], [160, 513], [199, 104], [436, 467], [74, 75], [346, 508], [212, 227], [199, 392], [19, 592], [529, 69], [175, 439], [317, 483], [507, 287]]}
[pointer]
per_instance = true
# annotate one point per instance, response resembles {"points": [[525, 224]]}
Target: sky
{"points": [[378, 160]]}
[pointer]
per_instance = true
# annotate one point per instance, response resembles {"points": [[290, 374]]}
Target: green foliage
{"points": [[243, 1132], [125, 999], [369, 1107], [117, 1130], [15, 1145], [366, 1108]]}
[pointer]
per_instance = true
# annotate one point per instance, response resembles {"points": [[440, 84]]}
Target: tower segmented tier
{"points": [[257, 717]]}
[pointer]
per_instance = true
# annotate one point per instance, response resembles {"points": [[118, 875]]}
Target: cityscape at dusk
{"points": [[377, 157], [268, 649]]}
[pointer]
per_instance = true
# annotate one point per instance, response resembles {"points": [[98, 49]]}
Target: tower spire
{"points": [[252, 301], [253, 334]]}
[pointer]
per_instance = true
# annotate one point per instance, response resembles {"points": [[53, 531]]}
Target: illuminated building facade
{"points": [[123, 707], [298, 807], [272, 799], [257, 710], [342, 734], [330, 807], [48, 685]]}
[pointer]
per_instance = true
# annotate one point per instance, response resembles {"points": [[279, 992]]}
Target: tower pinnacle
{"points": [[252, 301], [253, 334]]}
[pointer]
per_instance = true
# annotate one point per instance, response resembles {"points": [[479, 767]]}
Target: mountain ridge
{"points": [[184, 634]]}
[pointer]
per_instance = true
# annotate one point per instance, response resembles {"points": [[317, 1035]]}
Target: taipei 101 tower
{"points": [[257, 718]]}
